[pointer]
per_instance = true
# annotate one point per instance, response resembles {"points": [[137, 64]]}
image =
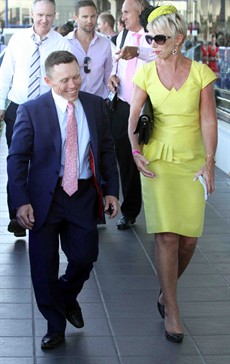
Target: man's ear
{"points": [[48, 81]]}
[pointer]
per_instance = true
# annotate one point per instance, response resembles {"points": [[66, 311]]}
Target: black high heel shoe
{"points": [[161, 308], [174, 337]]}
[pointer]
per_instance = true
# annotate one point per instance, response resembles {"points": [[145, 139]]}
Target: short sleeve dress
{"points": [[173, 201]]}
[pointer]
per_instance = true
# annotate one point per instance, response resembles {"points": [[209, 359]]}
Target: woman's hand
{"points": [[207, 171], [142, 164]]}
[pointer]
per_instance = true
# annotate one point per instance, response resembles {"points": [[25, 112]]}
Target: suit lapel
{"points": [[90, 116], [52, 122]]}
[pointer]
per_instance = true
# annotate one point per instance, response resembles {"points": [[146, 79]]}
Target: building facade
{"points": [[203, 16]]}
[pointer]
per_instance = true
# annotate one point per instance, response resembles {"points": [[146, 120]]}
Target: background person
{"points": [[37, 170], [65, 28], [181, 148], [105, 24], [120, 28], [15, 73], [213, 55], [122, 80], [204, 52], [2, 38], [92, 50]]}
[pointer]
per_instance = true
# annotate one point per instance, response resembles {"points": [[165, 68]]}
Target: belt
{"points": [[80, 181]]}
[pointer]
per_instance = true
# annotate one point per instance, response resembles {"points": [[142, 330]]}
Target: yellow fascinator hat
{"points": [[162, 10]]}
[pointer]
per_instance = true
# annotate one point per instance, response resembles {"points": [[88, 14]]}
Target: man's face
{"points": [[101, 25], [86, 19], [130, 15], [65, 80], [43, 15]]}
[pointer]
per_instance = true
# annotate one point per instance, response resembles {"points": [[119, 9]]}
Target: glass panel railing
{"points": [[222, 88]]}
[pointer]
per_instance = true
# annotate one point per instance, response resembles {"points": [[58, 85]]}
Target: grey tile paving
{"points": [[163, 359], [122, 325], [217, 359], [16, 346], [14, 360], [78, 360], [208, 326], [213, 344]]}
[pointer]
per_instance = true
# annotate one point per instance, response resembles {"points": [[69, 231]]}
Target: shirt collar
{"points": [[61, 102], [141, 31], [37, 37]]}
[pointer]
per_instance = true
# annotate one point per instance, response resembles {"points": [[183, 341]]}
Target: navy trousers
{"points": [[72, 222], [10, 117]]}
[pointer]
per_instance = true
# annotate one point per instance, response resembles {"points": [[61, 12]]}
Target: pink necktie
{"points": [[70, 176], [130, 70]]}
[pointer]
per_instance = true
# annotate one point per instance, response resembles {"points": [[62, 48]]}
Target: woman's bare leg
{"points": [[172, 261], [166, 252], [187, 247]]}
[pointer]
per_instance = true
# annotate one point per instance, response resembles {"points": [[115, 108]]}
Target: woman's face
{"points": [[214, 39], [162, 42]]}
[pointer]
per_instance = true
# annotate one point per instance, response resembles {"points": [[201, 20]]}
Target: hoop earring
{"points": [[174, 51]]}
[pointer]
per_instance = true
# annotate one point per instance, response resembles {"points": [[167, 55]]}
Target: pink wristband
{"points": [[135, 151]]}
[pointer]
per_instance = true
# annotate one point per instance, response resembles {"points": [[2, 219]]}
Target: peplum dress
{"points": [[174, 202]]}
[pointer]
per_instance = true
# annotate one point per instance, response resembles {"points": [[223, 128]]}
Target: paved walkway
{"points": [[122, 325]]}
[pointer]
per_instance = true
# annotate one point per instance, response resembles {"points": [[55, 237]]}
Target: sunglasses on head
{"points": [[86, 64], [158, 39]]}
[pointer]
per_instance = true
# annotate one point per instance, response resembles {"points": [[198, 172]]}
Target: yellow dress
{"points": [[174, 202]]}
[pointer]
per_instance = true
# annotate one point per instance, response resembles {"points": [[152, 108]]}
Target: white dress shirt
{"points": [[84, 170], [15, 68], [145, 55]]}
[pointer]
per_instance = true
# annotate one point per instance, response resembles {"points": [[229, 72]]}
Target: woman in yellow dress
{"points": [[181, 148]]}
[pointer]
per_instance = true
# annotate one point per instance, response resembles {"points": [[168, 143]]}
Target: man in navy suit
{"points": [[35, 169]]}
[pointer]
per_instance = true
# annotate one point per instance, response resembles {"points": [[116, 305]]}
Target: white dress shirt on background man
{"points": [[15, 68]]}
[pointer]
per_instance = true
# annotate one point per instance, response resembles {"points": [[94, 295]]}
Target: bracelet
{"points": [[210, 156], [135, 151]]}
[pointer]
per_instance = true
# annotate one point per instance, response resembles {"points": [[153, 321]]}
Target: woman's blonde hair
{"points": [[174, 23]]}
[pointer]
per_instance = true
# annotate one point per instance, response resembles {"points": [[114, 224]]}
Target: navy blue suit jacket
{"points": [[34, 159]]}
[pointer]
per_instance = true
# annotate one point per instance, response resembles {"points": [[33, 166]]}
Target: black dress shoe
{"points": [[74, 316], [161, 308], [125, 222], [16, 228], [173, 336], [52, 341]]}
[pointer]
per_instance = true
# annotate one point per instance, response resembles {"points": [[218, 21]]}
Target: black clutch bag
{"points": [[145, 122]]}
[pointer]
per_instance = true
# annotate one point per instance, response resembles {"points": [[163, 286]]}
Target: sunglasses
{"points": [[158, 39], [86, 64]]}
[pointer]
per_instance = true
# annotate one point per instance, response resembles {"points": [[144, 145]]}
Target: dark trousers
{"points": [[73, 220], [129, 174], [10, 117]]}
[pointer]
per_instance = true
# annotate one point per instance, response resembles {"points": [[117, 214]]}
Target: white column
{"points": [[113, 8]]}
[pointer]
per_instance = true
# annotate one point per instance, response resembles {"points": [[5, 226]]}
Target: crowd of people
{"points": [[68, 149]]}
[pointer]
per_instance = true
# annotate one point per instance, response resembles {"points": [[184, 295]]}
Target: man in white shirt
{"points": [[121, 79], [15, 72], [92, 50], [105, 24]]}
